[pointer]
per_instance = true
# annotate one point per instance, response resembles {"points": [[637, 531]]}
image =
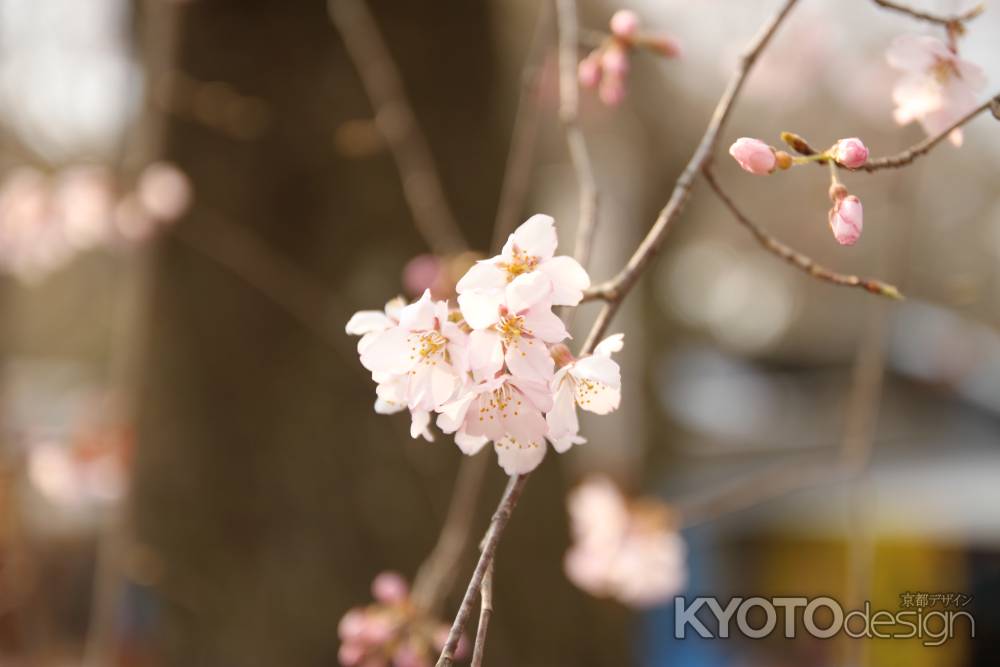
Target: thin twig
{"points": [[517, 171], [923, 147], [394, 117], [569, 106], [615, 290], [497, 525], [485, 612], [796, 258], [940, 19], [437, 574]]}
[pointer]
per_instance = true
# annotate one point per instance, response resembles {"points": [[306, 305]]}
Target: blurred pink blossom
{"points": [[937, 87], [625, 550], [393, 631]]}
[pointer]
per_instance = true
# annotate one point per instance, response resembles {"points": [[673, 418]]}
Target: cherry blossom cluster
{"points": [[846, 216], [393, 631], [494, 369], [606, 67], [625, 550], [46, 219]]}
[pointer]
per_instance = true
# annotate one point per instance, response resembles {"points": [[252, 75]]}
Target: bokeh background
{"points": [[195, 198]]}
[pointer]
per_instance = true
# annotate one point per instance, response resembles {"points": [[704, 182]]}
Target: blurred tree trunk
{"points": [[265, 482]]}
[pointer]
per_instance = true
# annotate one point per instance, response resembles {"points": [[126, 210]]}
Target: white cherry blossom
{"points": [[525, 273], [506, 410], [593, 383]]}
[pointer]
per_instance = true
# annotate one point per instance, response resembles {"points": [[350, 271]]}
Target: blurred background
{"points": [[195, 197]]}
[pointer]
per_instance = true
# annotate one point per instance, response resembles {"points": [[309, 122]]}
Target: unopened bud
{"points": [[797, 143]]}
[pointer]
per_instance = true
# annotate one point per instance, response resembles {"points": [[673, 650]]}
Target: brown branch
{"points": [[395, 119], [437, 574], [497, 525], [615, 290], [569, 106], [940, 19], [485, 612], [923, 147], [796, 258]]}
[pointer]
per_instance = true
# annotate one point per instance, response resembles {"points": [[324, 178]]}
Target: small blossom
{"points": [[506, 410], [850, 153], [526, 272], [753, 155], [624, 23], [592, 383], [625, 550], [937, 87], [846, 219]]}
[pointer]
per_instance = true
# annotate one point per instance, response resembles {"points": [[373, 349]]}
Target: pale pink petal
{"points": [[483, 275], [485, 353], [542, 323], [384, 407], [469, 444], [527, 290], [420, 420], [443, 384], [419, 315], [569, 279], [480, 309], [388, 352], [598, 368], [518, 459], [536, 391], [530, 359], [536, 236], [564, 444], [611, 344], [452, 415], [367, 321], [561, 419]]}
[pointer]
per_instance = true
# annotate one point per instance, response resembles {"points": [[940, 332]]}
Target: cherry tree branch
{"points": [[796, 258], [569, 105], [497, 525], [940, 19], [485, 612], [923, 147], [617, 292], [395, 119], [614, 291]]}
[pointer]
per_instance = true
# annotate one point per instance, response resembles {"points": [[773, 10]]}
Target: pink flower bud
{"points": [[614, 60], [753, 155], [352, 625], [390, 587], [846, 218], [850, 153], [612, 90], [589, 72], [625, 23], [350, 654]]}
